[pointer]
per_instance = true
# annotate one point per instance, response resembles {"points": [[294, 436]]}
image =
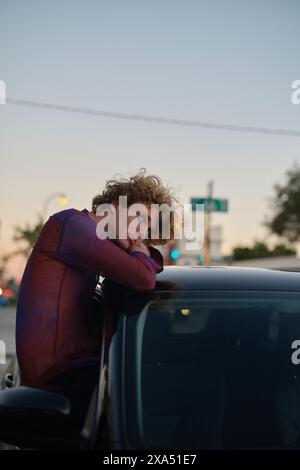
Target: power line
{"points": [[153, 119]]}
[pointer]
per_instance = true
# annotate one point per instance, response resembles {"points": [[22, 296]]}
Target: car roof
{"points": [[227, 278]]}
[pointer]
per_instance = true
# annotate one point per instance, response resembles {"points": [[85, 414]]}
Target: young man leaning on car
{"points": [[55, 347]]}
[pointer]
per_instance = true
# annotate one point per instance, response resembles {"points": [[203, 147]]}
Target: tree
{"points": [[285, 204], [3, 262], [261, 250], [28, 235], [2, 271]]}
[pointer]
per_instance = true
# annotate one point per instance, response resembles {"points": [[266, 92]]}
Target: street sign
{"points": [[210, 204]]}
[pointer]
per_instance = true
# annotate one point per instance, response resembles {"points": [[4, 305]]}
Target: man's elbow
{"points": [[147, 283]]}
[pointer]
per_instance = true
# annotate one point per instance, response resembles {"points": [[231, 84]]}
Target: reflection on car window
{"points": [[217, 373]]}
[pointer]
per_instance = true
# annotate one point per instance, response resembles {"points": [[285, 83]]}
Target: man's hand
{"points": [[138, 245]]}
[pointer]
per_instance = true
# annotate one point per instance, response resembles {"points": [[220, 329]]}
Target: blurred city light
{"points": [[185, 312], [174, 254], [63, 201]]}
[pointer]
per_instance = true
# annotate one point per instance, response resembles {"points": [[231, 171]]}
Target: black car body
{"points": [[209, 360]]}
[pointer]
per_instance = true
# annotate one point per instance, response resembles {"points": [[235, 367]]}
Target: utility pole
{"points": [[210, 205], [207, 222]]}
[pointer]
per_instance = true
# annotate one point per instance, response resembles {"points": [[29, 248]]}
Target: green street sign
{"points": [[210, 204]]}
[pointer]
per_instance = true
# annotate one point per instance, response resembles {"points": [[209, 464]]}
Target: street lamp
{"points": [[62, 200]]}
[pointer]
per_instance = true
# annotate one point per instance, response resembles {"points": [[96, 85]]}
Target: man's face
{"points": [[136, 228]]}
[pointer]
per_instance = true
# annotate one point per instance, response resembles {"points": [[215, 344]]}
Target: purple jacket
{"points": [[56, 293]]}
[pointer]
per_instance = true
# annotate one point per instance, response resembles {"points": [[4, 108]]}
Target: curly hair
{"points": [[140, 188]]}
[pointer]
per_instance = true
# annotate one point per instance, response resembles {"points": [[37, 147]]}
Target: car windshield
{"points": [[216, 371]]}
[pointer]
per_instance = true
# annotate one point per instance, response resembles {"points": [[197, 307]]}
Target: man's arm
{"points": [[157, 257], [80, 247]]}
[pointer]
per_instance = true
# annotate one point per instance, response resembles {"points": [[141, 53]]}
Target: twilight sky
{"points": [[219, 61]]}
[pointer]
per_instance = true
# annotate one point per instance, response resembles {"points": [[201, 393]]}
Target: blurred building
{"points": [[179, 253]]}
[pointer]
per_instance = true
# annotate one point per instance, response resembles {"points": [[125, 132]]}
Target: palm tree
{"points": [[28, 235], [3, 261]]}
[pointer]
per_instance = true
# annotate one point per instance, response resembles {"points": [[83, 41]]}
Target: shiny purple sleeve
{"points": [[80, 247]]}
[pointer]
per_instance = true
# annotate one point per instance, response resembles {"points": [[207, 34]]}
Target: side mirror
{"points": [[36, 418]]}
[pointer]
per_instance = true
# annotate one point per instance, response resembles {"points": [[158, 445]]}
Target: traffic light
{"points": [[174, 255]]}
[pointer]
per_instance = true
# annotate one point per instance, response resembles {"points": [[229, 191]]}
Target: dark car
{"points": [[209, 360]]}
